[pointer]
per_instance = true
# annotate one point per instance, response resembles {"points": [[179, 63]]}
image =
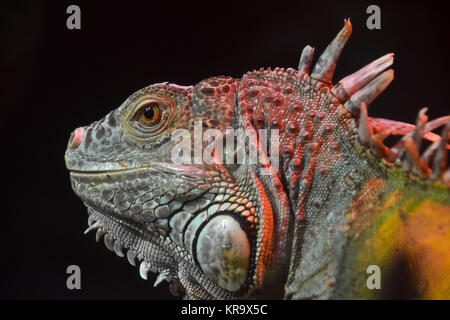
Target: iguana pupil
{"points": [[149, 112]]}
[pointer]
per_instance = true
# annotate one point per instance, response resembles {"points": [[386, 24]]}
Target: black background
{"points": [[55, 80]]}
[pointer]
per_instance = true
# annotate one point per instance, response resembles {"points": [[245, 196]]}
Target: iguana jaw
{"points": [[123, 227], [142, 237], [121, 231], [127, 238]]}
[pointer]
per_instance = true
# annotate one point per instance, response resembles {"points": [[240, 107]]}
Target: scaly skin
{"points": [[338, 202]]}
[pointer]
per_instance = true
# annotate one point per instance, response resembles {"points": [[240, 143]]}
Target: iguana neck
{"points": [[318, 172], [332, 176]]}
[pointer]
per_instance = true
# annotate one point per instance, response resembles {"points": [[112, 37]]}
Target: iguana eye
{"points": [[150, 113], [149, 116]]}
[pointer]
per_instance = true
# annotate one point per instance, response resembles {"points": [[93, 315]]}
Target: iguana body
{"points": [[338, 202]]}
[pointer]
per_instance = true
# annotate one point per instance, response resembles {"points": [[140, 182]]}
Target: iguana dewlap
{"points": [[306, 226]]}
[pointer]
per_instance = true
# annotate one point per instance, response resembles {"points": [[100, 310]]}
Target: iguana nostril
{"points": [[75, 138]]}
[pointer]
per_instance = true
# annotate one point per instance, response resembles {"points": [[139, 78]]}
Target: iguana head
{"points": [[167, 215], [224, 230]]}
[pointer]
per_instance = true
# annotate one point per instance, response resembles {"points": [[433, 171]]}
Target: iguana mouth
{"points": [[105, 172], [171, 168]]}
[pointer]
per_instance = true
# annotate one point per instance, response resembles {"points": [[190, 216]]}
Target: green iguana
{"points": [[325, 200]]}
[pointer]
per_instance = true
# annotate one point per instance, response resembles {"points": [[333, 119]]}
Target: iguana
{"points": [[308, 227]]}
